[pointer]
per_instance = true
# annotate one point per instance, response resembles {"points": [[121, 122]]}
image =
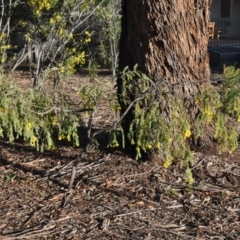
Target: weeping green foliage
{"points": [[161, 120], [230, 94], [29, 115]]}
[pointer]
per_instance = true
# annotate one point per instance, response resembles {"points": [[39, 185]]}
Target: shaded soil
{"points": [[114, 196]]}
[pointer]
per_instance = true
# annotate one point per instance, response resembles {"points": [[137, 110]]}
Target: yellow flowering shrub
{"points": [[23, 117], [152, 129], [56, 27]]}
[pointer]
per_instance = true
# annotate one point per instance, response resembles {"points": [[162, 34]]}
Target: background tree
{"points": [[108, 30], [55, 33]]}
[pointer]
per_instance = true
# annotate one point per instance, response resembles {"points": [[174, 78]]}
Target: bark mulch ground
{"points": [[114, 196]]}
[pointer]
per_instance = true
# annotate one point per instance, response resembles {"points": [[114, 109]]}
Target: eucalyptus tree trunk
{"points": [[168, 40]]}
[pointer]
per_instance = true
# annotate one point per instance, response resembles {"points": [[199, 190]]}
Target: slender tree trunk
{"points": [[168, 40]]}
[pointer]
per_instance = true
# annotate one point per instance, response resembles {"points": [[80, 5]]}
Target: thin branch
{"points": [[62, 110]]}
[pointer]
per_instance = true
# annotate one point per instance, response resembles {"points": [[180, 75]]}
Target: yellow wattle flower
{"points": [[187, 134], [191, 180], [52, 21], [33, 141], [149, 146], [138, 149], [28, 126], [167, 162], [158, 145]]}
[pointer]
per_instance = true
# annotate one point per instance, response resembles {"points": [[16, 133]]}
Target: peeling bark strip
{"points": [[167, 38]]}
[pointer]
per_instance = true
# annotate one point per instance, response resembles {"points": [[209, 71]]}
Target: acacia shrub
{"points": [[30, 115], [165, 128]]}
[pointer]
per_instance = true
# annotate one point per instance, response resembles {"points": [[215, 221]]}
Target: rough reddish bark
{"points": [[168, 40]]}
